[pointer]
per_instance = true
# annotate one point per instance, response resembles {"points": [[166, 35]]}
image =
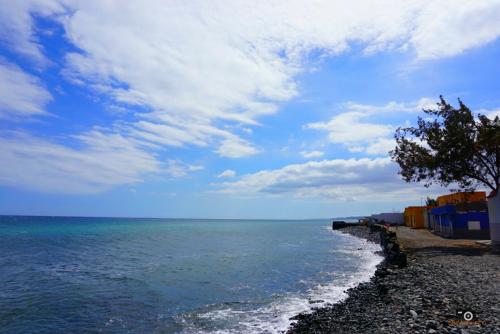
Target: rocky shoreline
{"points": [[421, 295]]}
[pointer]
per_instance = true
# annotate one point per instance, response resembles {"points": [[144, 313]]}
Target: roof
{"points": [[461, 197]]}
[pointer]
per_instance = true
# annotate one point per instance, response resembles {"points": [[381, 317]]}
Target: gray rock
{"points": [[430, 289]]}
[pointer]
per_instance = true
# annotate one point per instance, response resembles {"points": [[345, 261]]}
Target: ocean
{"points": [[116, 275]]}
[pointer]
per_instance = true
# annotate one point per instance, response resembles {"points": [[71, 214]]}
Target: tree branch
{"points": [[478, 178], [485, 164]]}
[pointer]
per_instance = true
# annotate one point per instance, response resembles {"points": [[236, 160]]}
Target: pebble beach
{"points": [[421, 297]]}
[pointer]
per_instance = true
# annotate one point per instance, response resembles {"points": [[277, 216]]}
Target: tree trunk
{"points": [[494, 217]]}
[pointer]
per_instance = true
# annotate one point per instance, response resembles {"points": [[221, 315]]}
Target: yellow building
{"points": [[415, 216], [464, 197]]}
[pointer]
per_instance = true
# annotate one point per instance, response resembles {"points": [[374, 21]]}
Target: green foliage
{"points": [[450, 146], [431, 202]]}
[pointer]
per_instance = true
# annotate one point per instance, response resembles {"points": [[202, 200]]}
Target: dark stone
{"points": [[339, 224], [432, 285]]}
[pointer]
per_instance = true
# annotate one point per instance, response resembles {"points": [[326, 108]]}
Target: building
{"points": [[429, 218], [391, 218], [415, 216], [463, 197], [462, 216], [494, 216], [419, 217]]}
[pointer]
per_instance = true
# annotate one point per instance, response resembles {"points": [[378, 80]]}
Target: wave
{"points": [[273, 316]]}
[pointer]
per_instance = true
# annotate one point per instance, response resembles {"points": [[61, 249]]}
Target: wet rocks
{"points": [[421, 297], [392, 251], [362, 232]]}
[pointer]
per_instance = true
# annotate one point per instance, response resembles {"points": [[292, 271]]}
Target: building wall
{"points": [[429, 218], [406, 218], [414, 216], [461, 223], [476, 196], [443, 216], [425, 213], [395, 218], [494, 218]]}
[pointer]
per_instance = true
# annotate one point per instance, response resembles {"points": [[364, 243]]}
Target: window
{"points": [[474, 225]]}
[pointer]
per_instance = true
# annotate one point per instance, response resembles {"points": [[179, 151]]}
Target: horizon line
{"points": [[173, 218]]}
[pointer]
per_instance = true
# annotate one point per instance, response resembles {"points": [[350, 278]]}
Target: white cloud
{"points": [[449, 27], [381, 146], [247, 130], [203, 63], [432, 29], [227, 60], [392, 106], [182, 133], [235, 147], [16, 25], [21, 94], [228, 173], [348, 128], [197, 66], [339, 179], [311, 154], [491, 114], [177, 168], [170, 135], [102, 161], [356, 129]]}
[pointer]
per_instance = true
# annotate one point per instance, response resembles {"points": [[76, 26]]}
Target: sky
{"points": [[228, 109]]}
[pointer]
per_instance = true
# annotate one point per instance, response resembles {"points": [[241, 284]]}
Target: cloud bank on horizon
{"points": [[169, 85]]}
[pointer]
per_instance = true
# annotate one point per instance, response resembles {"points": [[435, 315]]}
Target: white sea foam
{"points": [[275, 316]]}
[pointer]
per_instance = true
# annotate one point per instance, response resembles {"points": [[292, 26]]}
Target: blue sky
{"points": [[228, 109]]}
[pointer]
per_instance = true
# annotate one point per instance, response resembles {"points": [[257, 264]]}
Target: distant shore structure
{"points": [[338, 224], [391, 218]]}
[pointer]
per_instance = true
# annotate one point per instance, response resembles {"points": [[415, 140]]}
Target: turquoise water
{"points": [[114, 275]]}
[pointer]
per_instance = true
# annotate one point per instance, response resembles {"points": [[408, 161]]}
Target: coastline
{"points": [[420, 297]]}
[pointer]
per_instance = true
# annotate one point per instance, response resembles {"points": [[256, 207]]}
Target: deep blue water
{"points": [[114, 275]]}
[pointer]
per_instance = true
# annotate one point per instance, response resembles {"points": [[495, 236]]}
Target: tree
{"points": [[431, 202], [450, 147]]}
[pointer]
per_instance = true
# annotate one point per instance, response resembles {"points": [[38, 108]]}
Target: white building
{"points": [[392, 218]]}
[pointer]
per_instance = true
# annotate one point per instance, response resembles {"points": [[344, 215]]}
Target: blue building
{"points": [[462, 221]]}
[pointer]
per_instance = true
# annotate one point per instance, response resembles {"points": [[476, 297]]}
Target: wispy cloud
{"points": [[235, 147], [357, 128], [18, 31], [199, 63], [195, 67], [100, 162], [21, 95], [311, 154], [228, 173], [177, 168], [207, 66]]}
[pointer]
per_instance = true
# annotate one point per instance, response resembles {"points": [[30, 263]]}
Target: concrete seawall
{"points": [[338, 224]]}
